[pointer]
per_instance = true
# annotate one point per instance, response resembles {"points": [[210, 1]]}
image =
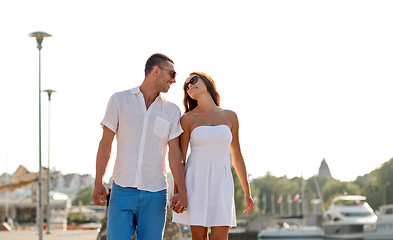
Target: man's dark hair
{"points": [[157, 59]]}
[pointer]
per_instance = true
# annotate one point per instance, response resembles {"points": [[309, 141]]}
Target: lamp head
{"points": [[49, 92], [39, 36]]}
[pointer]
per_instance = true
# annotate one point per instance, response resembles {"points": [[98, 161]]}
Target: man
{"points": [[144, 125]]}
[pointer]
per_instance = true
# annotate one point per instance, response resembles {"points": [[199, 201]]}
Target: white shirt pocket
{"points": [[161, 127]]}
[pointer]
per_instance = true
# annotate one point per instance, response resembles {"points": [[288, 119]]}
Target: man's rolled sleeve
{"points": [[111, 118], [176, 128]]}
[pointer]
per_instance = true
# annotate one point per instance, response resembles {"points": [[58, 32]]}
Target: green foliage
{"points": [[240, 204], [78, 218], [84, 195], [376, 183], [269, 188], [335, 187]]}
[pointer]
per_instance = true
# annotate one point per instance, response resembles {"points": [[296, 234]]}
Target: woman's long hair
{"points": [[190, 104]]}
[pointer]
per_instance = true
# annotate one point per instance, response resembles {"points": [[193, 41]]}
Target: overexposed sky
{"points": [[308, 79]]}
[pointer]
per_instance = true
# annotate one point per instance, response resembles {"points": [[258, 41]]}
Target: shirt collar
{"points": [[137, 90]]}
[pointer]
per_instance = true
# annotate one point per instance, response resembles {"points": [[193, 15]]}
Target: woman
{"points": [[213, 135]]}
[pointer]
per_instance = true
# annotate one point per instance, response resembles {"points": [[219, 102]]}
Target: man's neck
{"points": [[149, 94]]}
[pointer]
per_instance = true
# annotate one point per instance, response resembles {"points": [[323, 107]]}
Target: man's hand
{"points": [[178, 203], [103, 155], [99, 190], [176, 164]]}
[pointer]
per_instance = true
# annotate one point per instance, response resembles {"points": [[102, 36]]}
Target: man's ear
{"points": [[155, 71]]}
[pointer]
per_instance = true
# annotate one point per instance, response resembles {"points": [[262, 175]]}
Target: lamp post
{"points": [[384, 193], [49, 92], [39, 37]]}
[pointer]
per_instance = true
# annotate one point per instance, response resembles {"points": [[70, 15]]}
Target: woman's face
{"points": [[194, 85]]}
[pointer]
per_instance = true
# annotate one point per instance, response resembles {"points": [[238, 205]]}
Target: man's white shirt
{"points": [[142, 137]]}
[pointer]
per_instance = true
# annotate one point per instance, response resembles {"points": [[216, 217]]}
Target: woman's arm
{"points": [[238, 161]]}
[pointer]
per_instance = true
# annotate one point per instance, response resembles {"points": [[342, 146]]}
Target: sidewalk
{"points": [[55, 235]]}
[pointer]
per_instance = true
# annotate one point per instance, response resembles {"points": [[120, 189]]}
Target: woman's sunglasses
{"points": [[192, 81], [172, 73]]}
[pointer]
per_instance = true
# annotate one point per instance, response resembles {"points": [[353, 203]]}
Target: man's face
{"points": [[166, 76]]}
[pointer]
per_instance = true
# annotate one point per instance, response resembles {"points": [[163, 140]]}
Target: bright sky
{"points": [[308, 79]]}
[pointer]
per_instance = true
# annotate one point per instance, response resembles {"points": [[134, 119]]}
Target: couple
{"points": [[145, 125]]}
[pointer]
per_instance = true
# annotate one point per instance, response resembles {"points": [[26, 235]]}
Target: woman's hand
{"points": [[250, 204], [176, 204]]}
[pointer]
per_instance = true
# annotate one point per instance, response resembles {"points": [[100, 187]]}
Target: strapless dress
{"points": [[209, 182]]}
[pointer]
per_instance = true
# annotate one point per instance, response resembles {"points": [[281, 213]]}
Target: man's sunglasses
{"points": [[192, 81], [172, 73]]}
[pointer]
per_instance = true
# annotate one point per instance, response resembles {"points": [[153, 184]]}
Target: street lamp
{"points": [[39, 37], [49, 92], [384, 193]]}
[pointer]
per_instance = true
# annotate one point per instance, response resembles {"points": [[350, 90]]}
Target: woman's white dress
{"points": [[209, 179]]}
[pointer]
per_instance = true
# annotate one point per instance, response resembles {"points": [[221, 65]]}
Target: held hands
{"points": [[178, 203], [99, 190], [250, 204]]}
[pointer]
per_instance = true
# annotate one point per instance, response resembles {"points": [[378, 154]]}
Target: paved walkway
{"points": [[55, 235]]}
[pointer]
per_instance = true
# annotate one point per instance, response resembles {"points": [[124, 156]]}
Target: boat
{"points": [[285, 231], [346, 217], [383, 228]]}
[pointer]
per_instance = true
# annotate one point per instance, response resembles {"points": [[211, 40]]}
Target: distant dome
{"points": [[324, 171]]}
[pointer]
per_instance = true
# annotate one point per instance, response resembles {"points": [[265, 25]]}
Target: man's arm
{"points": [[103, 155], [177, 169], [184, 140]]}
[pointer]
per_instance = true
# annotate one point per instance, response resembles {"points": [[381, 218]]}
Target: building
{"points": [[70, 184], [19, 194], [24, 209], [324, 171]]}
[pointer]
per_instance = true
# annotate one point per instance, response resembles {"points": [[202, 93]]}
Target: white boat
{"points": [[346, 217], [383, 228], [286, 231]]}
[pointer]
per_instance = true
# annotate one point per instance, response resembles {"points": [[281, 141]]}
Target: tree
{"points": [[240, 204], [84, 195], [375, 184], [269, 188]]}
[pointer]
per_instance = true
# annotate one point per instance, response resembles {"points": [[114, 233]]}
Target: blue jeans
{"points": [[130, 208]]}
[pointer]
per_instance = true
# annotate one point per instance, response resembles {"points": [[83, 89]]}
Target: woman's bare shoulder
{"points": [[187, 116], [186, 120], [229, 114]]}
